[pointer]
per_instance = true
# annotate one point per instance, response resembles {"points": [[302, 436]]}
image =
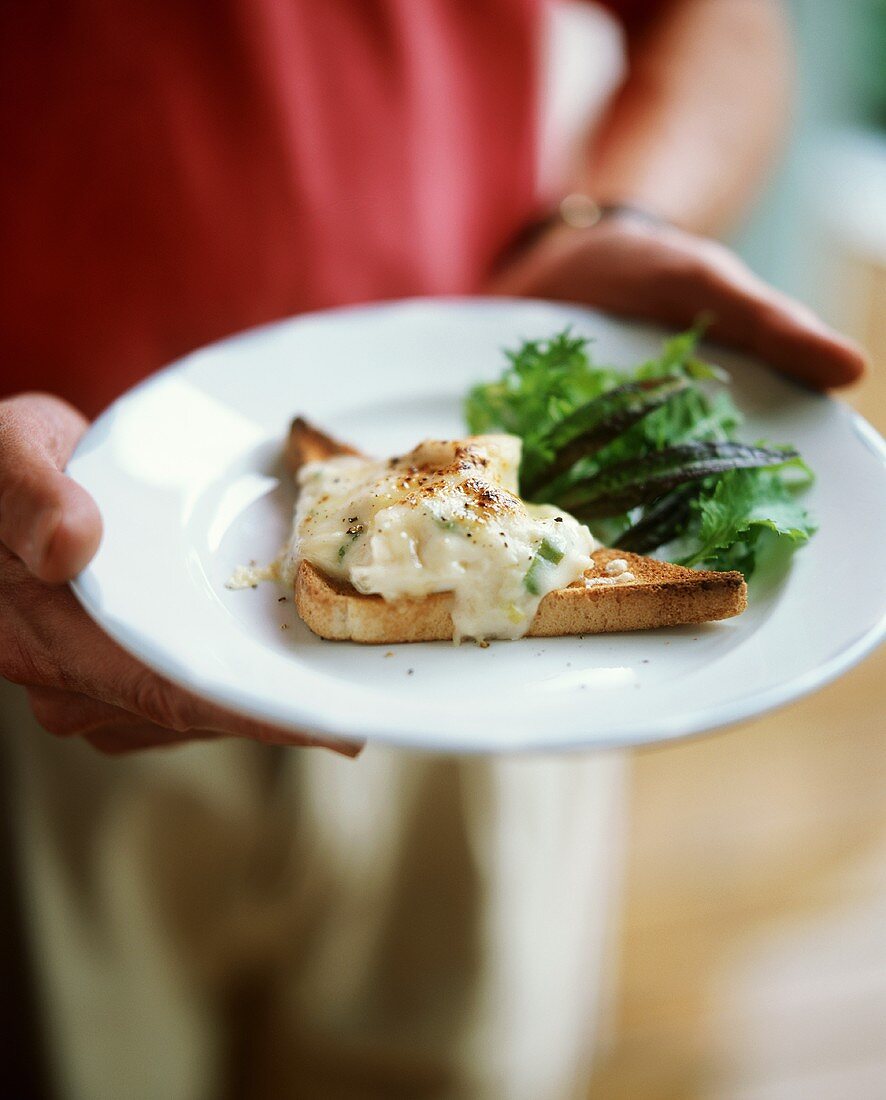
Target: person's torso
{"points": [[175, 172]]}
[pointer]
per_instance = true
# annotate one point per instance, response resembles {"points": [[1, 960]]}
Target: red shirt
{"points": [[177, 171]]}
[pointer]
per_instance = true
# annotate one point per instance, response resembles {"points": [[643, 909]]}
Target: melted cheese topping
{"points": [[444, 518]]}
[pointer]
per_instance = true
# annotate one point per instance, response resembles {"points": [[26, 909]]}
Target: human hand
{"points": [[78, 680], [660, 273]]}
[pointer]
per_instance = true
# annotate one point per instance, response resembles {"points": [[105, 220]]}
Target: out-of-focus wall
{"points": [[819, 231], [753, 954], [840, 84]]}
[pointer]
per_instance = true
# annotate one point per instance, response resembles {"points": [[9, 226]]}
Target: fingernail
{"points": [[350, 749]]}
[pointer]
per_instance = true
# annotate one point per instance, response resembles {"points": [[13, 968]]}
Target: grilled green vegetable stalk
{"points": [[595, 424], [619, 488], [661, 522]]}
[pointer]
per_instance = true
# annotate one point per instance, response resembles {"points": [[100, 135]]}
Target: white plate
{"points": [[185, 471]]}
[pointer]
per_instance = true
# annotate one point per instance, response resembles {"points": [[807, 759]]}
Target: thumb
{"points": [[46, 519]]}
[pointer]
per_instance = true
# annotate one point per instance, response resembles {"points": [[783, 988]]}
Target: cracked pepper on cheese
{"points": [[444, 518]]}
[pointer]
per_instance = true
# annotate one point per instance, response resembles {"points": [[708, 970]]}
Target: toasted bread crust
{"points": [[306, 443], [660, 595]]}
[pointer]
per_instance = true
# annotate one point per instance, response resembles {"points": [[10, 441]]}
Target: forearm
{"points": [[696, 124]]}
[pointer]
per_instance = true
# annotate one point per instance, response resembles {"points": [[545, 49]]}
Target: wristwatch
{"points": [[580, 211]]}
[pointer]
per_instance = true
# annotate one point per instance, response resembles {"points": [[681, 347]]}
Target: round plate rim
{"points": [[310, 720]]}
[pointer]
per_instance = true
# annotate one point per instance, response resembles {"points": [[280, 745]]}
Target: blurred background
{"points": [[750, 961], [752, 956]]}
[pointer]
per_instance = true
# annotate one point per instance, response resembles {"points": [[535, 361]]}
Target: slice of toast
{"points": [[660, 594]]}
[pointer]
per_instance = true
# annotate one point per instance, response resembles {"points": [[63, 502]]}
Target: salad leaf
{"points": [[546, 380], [736, 509], [649, 456]]}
